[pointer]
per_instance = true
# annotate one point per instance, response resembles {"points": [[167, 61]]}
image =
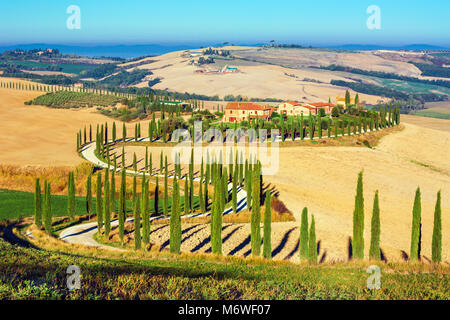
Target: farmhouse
{"points": [[240, 111], [292, 108], [327, 107], [340, 101]]}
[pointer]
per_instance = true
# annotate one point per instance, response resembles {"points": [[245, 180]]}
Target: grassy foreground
{"points": [[40, 273]]}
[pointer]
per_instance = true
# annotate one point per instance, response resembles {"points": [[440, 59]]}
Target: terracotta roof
{"points": [[321, 104], [294, 103], [245, 106]]}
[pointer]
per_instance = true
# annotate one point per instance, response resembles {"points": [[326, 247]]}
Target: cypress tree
{"points": [[123, 157], [156, 201], [124, 132], [137, 224], [134, 195], [134, 163], [216, 219], [186, 197], [255, 217], [89, 195], [200, 191], [114, 132], [99, 202], [416, 227], [312, 248], [358, 220], [122, 205], [374, 252], [145, 214], [436, 244], [304, 236], [234, 191], [166, 191], [267, 240], [71, 196], [113, 192], [48, 208], [107, 204], [38, 204], [175, 220]]}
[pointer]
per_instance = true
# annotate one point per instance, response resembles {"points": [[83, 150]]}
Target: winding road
{"points": [[83, 234]]}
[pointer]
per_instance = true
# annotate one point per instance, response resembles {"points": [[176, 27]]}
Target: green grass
{"points": [[432, 114], [18, 204], [70, 99], [27, 273], [66, 68]]}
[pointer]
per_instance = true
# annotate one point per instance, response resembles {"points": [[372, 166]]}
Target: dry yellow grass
{"points": [[253, 81], [41, 136]]}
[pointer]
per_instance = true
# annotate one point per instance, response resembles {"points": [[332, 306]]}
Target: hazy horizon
{"points": [[141, 22]]}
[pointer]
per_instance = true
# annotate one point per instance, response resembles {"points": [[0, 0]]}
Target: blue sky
{"points": [[317, 22]]}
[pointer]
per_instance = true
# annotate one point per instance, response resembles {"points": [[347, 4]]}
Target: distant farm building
{"points": [[293, 108], [245, 111], [327, 107], [181, 104], [340, 101]]}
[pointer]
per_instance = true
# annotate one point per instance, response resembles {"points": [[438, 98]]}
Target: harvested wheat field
{"points": [[320, 178], [254, 80], [41, 136], [432, 123], [324, 180]]}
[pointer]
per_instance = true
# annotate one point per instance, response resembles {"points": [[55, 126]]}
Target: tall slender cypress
{"points": [[156, 200], [255, 217], [112, 188], [175, 220], [145, 214], [137, 224], [166, 191], [186, 197], [124, 132], [234, 190], [312, 248], [374, 252], [358, 221], [414, 253], [48, 208], [122, 205], [267, 240], [71, 196], [89, 195], [107, 205], [98, 201], [38, 204], [436, 244], [304, 236]]}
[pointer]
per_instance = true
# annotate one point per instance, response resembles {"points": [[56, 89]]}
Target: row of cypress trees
{"points": [[308, 243], [43, 206], [416, 229]]}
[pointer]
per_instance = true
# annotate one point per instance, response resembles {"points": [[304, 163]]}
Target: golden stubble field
{"points": [[320, 178], [255, 80]]}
